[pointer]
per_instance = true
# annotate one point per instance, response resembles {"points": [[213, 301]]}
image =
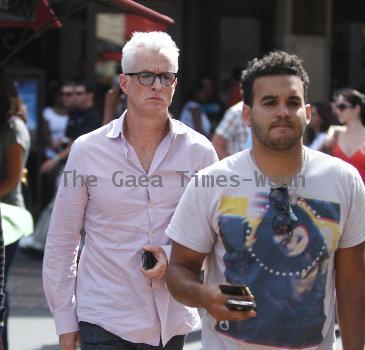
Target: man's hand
{"points": [[216, 304], [159, 270], [70, 341], [185, 285]]}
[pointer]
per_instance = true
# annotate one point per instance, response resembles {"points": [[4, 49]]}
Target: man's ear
{"points": [[308, 110], [246, 114], [123, 83], [174, 86]]}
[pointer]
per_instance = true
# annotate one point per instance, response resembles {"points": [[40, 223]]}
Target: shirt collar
{"points": [[177, 127], [117, 127]]}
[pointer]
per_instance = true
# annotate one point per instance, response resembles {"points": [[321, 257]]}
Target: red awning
{"points": [[138, 9], [44, 15]]}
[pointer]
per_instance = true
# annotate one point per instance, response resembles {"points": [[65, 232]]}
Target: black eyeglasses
{"points": [[283, 222], [342, 106], [148, 78]]}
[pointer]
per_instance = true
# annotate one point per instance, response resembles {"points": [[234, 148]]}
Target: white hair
{"points": [[159, 42]]}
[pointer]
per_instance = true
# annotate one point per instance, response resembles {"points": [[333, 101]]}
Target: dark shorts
{"points": [[94, 337]]}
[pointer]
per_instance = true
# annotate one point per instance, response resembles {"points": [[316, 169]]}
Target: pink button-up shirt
{"points": [[106, 191]]}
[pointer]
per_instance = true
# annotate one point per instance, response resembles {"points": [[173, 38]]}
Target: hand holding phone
{"points": [[148, 260], [235, 289], [240, 305], [239, 290]]}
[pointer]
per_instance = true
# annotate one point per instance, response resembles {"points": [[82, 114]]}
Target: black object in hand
{"points": [[242, 290], [241, 305], [235, 289], [148, 260]]}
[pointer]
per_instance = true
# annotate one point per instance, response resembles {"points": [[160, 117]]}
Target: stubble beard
{"points": [[280, 143]]}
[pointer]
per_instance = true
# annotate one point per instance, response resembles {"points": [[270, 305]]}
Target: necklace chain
{"points": [[293, 183]]}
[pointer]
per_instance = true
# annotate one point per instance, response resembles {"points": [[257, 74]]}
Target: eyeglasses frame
{"points": [[154, 79]]}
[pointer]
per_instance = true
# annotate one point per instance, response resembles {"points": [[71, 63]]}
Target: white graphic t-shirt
{"points": [[225, 212]]}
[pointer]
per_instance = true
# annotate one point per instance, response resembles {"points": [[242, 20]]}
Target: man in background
{"points": [[232, 135], [83, 118]]}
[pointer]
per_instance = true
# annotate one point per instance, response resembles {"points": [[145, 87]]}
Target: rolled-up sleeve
{"points": [[209, 157], [63, 240]]}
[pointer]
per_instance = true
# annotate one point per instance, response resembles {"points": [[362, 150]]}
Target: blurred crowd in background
{"points": [[75, 108]]}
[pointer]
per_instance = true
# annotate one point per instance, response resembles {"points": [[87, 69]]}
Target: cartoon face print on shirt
{"points": [[286, 273]]}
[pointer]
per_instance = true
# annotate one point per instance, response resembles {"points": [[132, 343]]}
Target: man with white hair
{"points": [[122, 183]]}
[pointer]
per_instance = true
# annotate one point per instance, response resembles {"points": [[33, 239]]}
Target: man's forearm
{"points": [[185, 285], [222, 153], [351, 316], [220, 145], [65, 152], [8, 185]]}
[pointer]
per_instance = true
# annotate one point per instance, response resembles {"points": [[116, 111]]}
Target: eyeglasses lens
{"points": [[147, 79], [282, 223], [279, 197]]}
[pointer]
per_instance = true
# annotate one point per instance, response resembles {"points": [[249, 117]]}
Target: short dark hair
{"points": [[324, 113], [355, 98], [274, 63], [88, 85], [10, 102]]}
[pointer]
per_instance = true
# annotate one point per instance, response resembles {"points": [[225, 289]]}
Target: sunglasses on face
{"points": [[148, 78], [342, 106], [283, 222]]}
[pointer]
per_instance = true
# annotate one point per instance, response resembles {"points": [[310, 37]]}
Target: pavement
{"points": [[31, 325]]}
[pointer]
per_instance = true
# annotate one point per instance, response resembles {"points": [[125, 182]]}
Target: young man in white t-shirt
{"points": [[284, 220]]}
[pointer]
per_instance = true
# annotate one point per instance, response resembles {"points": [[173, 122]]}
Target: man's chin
{"points": [[156, 110], [282, 143]]}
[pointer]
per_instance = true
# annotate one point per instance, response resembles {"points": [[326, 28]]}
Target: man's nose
{"points": [[283, 110], [157, 83]]}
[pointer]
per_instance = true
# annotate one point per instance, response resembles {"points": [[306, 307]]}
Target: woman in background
{"points": [[316, 131], [348, 141], [14, 150]]}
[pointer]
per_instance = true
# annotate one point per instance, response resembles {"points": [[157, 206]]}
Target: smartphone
{"points": [[240, 305], [241, 290], [235, 289], [148, 260]]}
